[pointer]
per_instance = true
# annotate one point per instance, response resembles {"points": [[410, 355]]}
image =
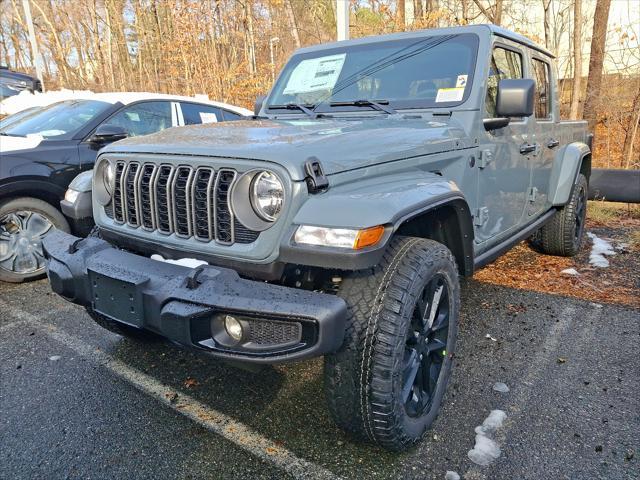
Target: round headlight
{"points": [[109, 177], [267, 196]]}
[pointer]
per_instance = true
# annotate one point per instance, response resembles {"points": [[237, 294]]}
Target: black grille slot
{"points": [[182, 201], [202, 201], [130, 194], [163, 215], [145, 189], [118, 212], [224, 218], [274, 332], [242, 234]]}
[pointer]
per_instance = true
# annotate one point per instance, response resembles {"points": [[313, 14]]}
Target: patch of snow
{"points": [[184, 262], [55, 358], [486, 449], [599, 249], [596, 305], [492, 338], [570, 271], [500, 387], [451, 475]]}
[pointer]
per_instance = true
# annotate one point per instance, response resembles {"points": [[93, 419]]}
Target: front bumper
{"points": [[186, 305]]}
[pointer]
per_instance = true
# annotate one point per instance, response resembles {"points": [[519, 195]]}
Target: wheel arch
{"points": [[42, 190], [571, 160], [448, 222]]}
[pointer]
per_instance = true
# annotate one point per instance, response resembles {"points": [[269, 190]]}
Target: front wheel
{"points": [[387, 381], [24, 222]]}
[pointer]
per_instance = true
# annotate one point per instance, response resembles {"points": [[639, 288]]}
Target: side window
{"points": [[228, 116], [542, 99], [504, 64], [195, 114], [143, 118]]}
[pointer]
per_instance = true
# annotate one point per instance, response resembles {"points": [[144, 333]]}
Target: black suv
{"points": [[12, 83]]}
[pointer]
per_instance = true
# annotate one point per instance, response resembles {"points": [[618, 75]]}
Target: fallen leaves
{"points": [[190, 383]]}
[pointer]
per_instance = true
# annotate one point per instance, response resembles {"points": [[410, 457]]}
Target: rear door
{"points": [[545, 128], [196, 113], [504, 172]]}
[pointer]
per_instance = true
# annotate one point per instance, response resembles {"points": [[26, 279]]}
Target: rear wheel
{"points": [[24, 222], [564, 234], [387, 381]]}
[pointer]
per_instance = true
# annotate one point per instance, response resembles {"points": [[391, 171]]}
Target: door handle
{"points": [[528, 148], [553, 143]]}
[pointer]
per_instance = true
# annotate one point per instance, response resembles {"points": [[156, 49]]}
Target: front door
{"points": [[504, 172]]}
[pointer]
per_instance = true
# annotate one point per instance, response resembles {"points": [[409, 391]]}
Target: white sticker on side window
{"points": [[450, 94], [315, 74], [208, 117]]}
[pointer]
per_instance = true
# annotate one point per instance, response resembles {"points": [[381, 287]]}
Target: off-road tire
{"points": [[362, 379], [563, 235], [55, 217]]}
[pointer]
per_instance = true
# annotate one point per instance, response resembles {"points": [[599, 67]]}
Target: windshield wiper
{"points": [[376, 104], [295, 106]]}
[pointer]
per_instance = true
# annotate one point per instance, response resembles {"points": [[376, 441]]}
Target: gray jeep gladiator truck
{"points": [[338, 220]]}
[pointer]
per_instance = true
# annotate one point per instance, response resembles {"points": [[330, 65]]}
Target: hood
{"points": [[339, 143], [12, 144]]}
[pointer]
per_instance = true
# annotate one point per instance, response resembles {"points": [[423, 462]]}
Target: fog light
{"points": [[233, 327]]}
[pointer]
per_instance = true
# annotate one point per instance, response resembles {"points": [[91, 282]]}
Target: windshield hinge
{"points": [[316, 180]]}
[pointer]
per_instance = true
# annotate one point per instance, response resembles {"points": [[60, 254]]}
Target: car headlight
{"points": [[104, 181], [339, 237], [267, 196]]}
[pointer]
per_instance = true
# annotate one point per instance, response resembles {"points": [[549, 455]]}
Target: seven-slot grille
{"points": [[181, 200]]}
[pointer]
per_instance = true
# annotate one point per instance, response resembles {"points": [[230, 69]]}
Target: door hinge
{"points": [[481, 216], [533, 194], [315, 179], [486, 157]]}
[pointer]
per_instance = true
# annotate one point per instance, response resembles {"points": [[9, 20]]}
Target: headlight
{"points": [[104, 180], [267, 196], [339, 237], [109, 177]]}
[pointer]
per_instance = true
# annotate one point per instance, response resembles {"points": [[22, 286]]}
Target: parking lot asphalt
{"points": [[79, 402]]}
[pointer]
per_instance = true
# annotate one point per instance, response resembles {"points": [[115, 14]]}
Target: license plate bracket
{"points": [[119, 300]]}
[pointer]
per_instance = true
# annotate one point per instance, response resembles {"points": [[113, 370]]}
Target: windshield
{"points": [[59, 121], [435, 71], [16, 117]]}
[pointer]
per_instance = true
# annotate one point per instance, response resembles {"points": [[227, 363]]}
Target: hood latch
{"points": [[316, 180]]}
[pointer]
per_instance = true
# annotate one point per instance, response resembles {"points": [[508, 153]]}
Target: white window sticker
{"points": [[462, 81], [450, 94], [315, 74], [208, 117]]}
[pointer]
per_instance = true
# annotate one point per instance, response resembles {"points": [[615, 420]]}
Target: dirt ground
{"points": [[619, 283]]}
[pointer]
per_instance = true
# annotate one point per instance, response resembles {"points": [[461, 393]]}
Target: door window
{"points": [[542, 99], [504, 64], [195, 114], [143, 118], [228, 115]]}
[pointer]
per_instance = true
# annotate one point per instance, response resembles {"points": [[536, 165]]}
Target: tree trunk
{"points": [[292, 23], [598, 42], [577, 59], [630, 137], [401, 14], [546, 5]]}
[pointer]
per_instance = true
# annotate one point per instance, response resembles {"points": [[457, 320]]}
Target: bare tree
{"points": [[577, 59], [598, 42]]}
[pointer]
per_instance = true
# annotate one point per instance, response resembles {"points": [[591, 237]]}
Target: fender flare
{"points": [[35, 188], [566, 166]]}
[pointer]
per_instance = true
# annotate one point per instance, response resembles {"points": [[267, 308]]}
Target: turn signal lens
{"points": [[368, 237]]}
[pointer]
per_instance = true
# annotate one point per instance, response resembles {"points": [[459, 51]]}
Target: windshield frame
{"points": [[323, 106]]}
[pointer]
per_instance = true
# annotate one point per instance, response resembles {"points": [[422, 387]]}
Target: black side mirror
{"points": [[515, 97], [106, 133], [257, 106]]}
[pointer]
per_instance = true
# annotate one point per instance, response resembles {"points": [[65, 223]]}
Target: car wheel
{"points": [[564, 234], [24, 222], [386, 383]]}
